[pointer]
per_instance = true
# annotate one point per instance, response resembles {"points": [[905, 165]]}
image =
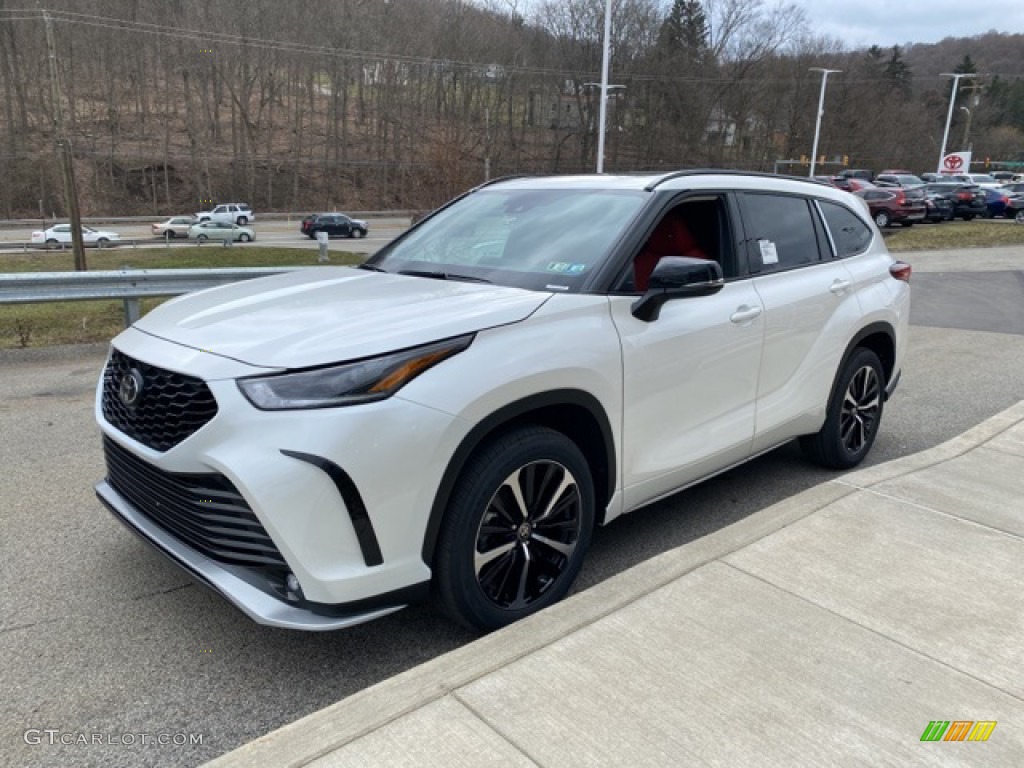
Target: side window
{"points": [[697, 227], [780, 232], [850, 235]]}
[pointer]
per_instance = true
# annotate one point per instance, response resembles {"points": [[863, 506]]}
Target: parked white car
{"points": [[230, 213], [456, 415], [176, 226], [983, 180], [60, 234], [218, 230]]}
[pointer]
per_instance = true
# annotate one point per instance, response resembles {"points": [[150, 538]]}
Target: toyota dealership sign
{"points": [[956, 162]]}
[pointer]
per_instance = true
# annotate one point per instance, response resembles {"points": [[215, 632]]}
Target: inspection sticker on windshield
{"points": [[768, 253], [566, 268]]}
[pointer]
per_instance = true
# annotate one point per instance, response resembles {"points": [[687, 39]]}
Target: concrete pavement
{"points": [[829, 629]]}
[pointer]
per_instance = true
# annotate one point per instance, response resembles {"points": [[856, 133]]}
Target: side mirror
{"points": [[677, 277]]}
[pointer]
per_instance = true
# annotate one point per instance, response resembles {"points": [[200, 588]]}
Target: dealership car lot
{"points": [[160, 653]]}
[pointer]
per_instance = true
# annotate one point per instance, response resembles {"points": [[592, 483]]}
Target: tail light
{"points": [[901, 271]]}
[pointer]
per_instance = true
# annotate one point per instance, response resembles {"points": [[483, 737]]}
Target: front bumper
{"points": [[344, 494], [237, 586]]}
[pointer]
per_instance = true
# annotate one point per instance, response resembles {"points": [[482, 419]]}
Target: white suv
{"points": [[453, 418], [228, 213]]}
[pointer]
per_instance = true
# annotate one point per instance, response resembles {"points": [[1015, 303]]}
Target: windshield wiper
{"points": [[371, 267], [438, 275]]}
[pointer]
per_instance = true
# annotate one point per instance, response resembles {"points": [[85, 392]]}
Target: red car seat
{"points": [[670, 238]]}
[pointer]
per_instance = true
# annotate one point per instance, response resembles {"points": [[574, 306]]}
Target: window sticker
{"points": [[565, 267], [768, 253]]}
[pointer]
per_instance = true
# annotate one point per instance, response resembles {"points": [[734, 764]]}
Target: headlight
{"points": [[362, 381]]}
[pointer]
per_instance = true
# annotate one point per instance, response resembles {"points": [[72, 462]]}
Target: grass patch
{"points": [[952, 235], [80, 322], [195, 257]]}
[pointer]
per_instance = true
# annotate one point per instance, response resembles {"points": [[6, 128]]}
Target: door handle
{"points": [[839, 286], [745, 314]]}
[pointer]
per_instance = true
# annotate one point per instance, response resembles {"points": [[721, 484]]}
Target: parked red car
{"points": [[851, 183], [894, 205]]}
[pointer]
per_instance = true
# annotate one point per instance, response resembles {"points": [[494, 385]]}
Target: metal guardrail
{"points": [[260, 216], [129, 285], [25, 245]]}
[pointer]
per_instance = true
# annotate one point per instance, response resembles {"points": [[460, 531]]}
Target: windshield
{"points": [[983, 178], [541, 239]]}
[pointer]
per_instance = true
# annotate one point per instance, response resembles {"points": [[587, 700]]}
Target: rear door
{"points": [[810, 306]]}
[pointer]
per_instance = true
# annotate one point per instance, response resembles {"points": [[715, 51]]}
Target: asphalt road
{"points": [[99, 635], [268, 233]]}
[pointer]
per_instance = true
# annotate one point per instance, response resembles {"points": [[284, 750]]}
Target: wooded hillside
{"points": [[372, 104]]}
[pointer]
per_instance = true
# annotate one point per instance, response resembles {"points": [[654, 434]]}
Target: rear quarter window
{"points": [[850, 235]]}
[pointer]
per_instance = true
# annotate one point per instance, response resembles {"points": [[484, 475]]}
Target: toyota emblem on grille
{"points": [[131, 388]]}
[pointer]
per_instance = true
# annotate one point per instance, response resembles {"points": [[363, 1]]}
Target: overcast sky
{"points": [[896, 22]]}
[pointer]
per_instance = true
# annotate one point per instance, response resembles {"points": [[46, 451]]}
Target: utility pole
{"points": [[64, 150]]}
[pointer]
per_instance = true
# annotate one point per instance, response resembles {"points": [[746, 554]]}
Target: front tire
{"points": [[201, 239], [241, 221], [516, 530], [854, 413], [1019, 218], [244, 238]]}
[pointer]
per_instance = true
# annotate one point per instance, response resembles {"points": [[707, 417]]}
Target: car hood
{"points": [[321, 315]]}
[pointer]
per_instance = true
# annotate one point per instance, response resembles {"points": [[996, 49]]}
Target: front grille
{"points": [[205, 511], [170, 406]]}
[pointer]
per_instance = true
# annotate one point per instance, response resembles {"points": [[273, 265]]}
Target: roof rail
{"points": [[727, 172]]}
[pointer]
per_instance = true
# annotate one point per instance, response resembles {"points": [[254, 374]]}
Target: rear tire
{"points": [[244, 238], [882, 219], [1019, 218], [201, 239], [968, 216], [516, 529], [853, 415]]}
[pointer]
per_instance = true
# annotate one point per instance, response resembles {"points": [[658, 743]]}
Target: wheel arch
{"points": [[575, 413], [880, 338]]}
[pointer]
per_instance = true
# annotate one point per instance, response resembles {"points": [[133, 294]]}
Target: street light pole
{"points": [[821, 110], [603, 115]]}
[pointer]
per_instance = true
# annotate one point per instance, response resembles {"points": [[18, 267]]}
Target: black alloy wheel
{"points": [[516, 531], [853, 416]]}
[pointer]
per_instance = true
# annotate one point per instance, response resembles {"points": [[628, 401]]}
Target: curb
{"points": [[322, 732]]}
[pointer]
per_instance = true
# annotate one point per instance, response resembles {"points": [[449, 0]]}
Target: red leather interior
{"points": [[670, 238]]}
